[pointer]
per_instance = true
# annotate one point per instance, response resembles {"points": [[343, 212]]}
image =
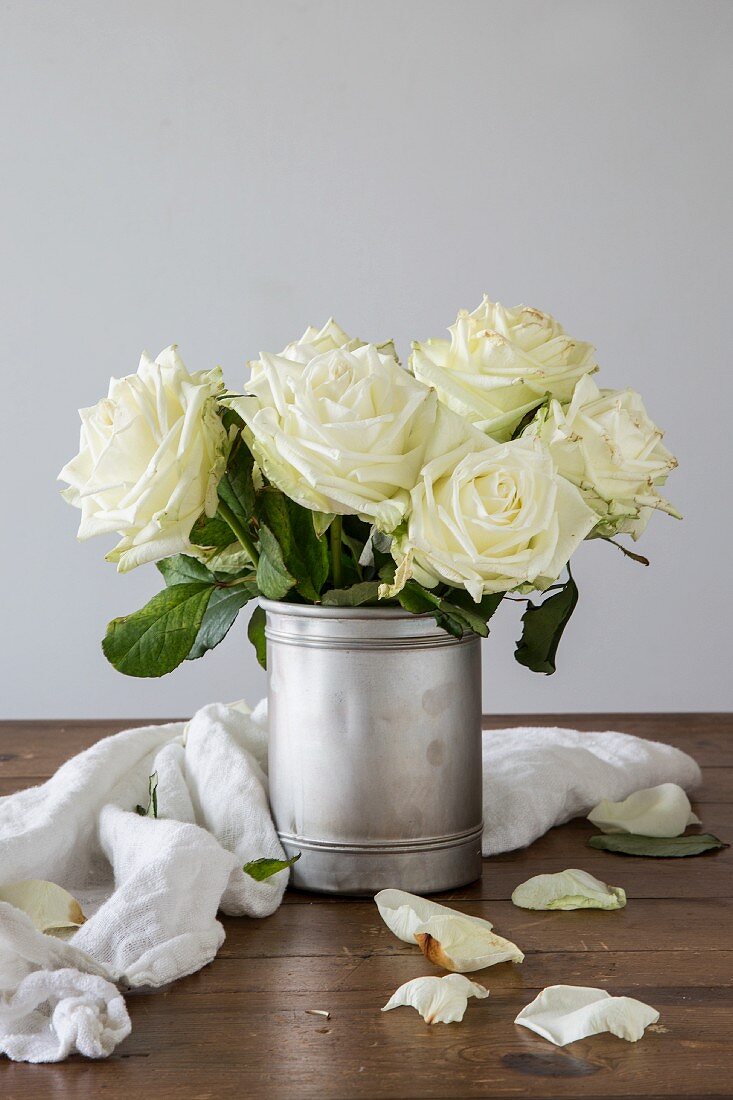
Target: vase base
{"points": [[419, 867]]}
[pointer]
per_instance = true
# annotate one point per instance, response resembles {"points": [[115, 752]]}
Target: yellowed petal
{"points": [[459, 943], [50, 907], [403, 913], [564, 1013], [571, 889], [438, 1000], [655, 811]]}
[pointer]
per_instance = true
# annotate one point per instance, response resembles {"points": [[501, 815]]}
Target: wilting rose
{"points": [[150, 458], [343, 433], [606, 444], [492, 517], [500, 364]]}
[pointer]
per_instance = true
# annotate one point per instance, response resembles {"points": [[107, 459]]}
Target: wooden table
{"points": [[240, 1027]]}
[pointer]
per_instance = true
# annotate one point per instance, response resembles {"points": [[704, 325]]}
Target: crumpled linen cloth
{"points": [[153, 886], [537, 777]]}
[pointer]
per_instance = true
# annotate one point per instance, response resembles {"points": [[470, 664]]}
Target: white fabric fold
{"points": [[152, 887], [538, 777]]}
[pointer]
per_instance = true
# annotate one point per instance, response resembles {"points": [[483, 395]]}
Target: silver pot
{"points": [[375, 748]]}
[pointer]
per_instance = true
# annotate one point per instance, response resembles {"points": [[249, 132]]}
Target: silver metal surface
{"points": [[375, 748]]}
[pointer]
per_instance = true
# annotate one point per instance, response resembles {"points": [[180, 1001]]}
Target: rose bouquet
{"points": [[339, 477]]}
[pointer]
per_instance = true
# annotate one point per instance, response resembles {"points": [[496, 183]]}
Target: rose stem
{"points": [[335, 535], [239, 530]]}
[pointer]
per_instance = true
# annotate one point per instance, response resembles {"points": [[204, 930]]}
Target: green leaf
{"points": [[256, 634], [236, 488], [261, 869], [273, 579], [152, 807], [543, 628], [154, 640], [181, 569], [211, 532], [223, 608], [629, 844], [486, 608], [418, 600], [304, 554], [358, 594]]}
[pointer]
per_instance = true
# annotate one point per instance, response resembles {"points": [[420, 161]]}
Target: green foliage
{"points": [[543, 626], [356, 596], [256, 634], [273, 579], [154, 640], [662, 847], [304, 555], [181, 569], [458, 614], [236, 488], [223, 608], [152, 808], [211, 532], [262, 869]]}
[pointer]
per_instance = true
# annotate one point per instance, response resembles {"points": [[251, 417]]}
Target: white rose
{"points": [[492, 517], [344, 433], [150, 458], [314, 341], [606, 444], [500, 364]]}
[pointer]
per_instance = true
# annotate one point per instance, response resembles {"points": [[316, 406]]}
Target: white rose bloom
{"points": [[314, 341], [492, 517], [501, 363], [150, 458], [344, 433], [606, 444]]}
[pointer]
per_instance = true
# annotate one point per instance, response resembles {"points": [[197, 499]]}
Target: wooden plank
{"points": [[36, 748], [240, 1044], [619, 971], [353, 927]]}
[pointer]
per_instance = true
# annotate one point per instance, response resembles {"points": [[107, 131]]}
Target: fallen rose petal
{"points": [[457, 943], [571, 889], [403, 913], [438, 1000], [50, 907], [564, 1013], [656, 811]]}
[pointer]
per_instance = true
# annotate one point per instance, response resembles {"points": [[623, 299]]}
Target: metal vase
{"points": [[375, 748]]}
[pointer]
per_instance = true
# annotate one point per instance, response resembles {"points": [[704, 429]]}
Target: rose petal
{"points": [[49, 906], [564, 1013], [655, 811], [458, 943], [438, 1000], [403, 913], [571, 889]]}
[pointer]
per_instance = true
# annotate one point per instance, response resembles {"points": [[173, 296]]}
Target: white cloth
{"points": [[153, 886], [537, 777]]}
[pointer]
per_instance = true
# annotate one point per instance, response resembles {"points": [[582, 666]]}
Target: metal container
{"points": [[375, 748]]}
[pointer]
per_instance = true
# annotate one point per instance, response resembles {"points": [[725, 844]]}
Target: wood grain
{"points": [[240, 1027]]}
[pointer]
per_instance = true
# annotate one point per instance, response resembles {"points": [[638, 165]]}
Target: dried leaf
{"points": [[438, 1000], [655, 811], [50, 907], [571, 889], [661, 847], [564, 1013]]}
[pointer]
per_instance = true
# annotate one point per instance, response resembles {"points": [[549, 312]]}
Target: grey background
{"points": [[221, 174]]}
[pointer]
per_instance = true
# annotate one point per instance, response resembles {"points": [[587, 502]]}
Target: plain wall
{"points": [[221, 174]]}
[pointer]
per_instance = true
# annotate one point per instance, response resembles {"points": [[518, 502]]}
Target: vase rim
{"points": [[318, 611]]}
